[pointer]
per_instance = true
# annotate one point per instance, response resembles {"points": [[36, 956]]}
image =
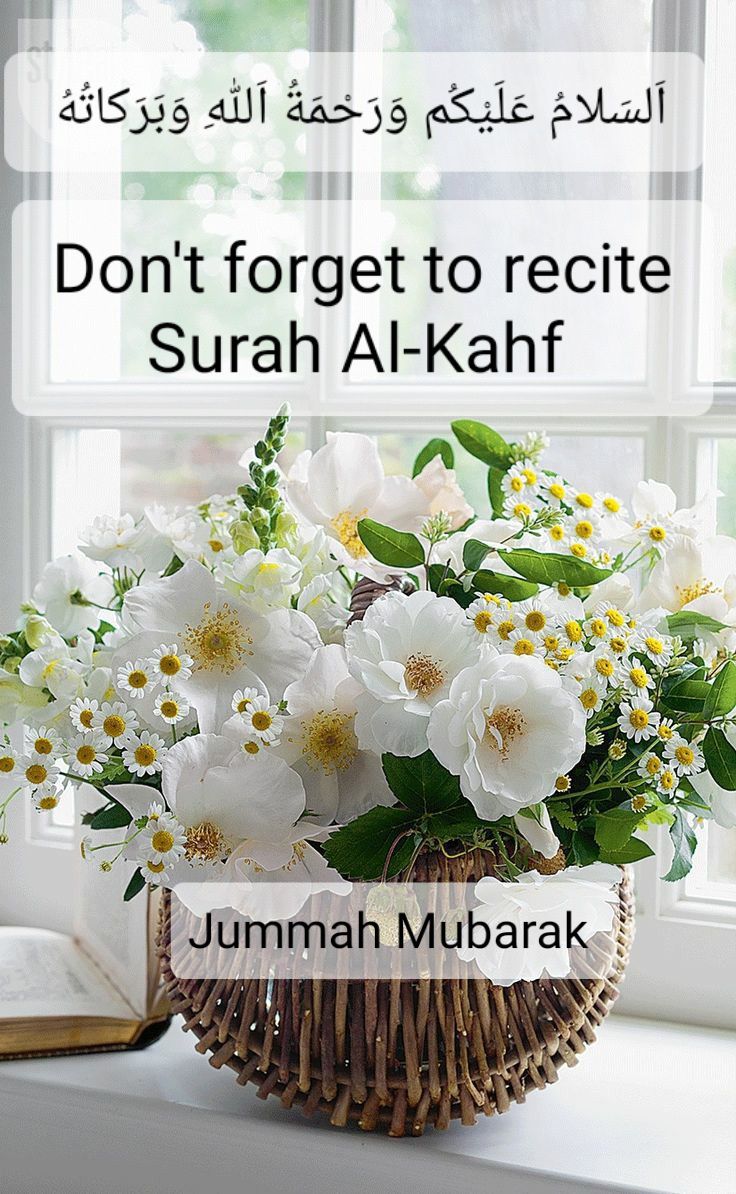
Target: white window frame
{"points": [[672, 923]]}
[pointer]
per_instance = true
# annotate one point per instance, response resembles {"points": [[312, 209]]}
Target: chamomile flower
{"points": [[522, 642], [684, 757], [558, 534], [649, 766], [609, 505], [47, 797], [535, 619], [581, 500], [619, 644], [666, 729], [521, 479], [243, 698], [636, 679], [554, 489], [171, 707], [153, 872], [113, 721], [144, 754], [590, 695], [573, 632], [82, 713], [39, 771], [163, 839], [657, 648], [252, 747], [170, 664], [605, 664], [615, 617], [520, 509], [263, 721], [45, 741], [87, 754], [10, 763], [502, 629], [638, 719], [137, 679], [597, 628], [585, 528], [667, 781]]}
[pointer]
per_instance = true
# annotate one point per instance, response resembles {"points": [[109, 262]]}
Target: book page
{"points": [[112, 932], [46, 974]]}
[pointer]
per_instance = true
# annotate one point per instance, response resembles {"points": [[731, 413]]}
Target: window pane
{"points": [[726, 483]]}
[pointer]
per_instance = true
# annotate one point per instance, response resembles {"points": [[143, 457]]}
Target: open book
{"points": [[96, 990]]}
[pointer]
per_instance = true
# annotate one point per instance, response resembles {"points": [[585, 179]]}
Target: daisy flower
{"points": [[613, 615], [581, 501], [113, 722], [658, 649], [597, 628], [637, 679], [666, 729], [163, 839], [609, 505], [39, 771], [82, 712], [87, 755], [137, 679], [45, 741], [243, 698], [649, 766], [554, 489], [667, 782], [9, 761], [684, 757], [170, 664], [605, 665], [573, 632], [47, 797], [558, 534], [514, 483], [503, 627], [584, 528], [590, 695], [263, 720], [522, 642], [171, 707], [535, 619], [638, 719], [143, 755]]}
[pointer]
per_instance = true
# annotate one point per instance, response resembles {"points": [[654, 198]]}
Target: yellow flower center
{"points": [[162, 841], [612, 504], [653, 765], [579, 550], [585, 501], [137, 679], [170, 665], [665, 732], [638, 677], [657, 534], [639, 719], [551, 642], [654, 646], [169, 708], [423, 674], [564, 589], [113, 726], [86, 754], [524, 646], [557, 533], [584, 529], [535, 620], [684, 755], [505, 629], [530, 476], [563, 783], [618, 644], [604, 666], [482, 621], [155, 867], [574, 631], [216, 545], [615, 617], [329, 741], [7, 763], [522, 510], [638, 803], [598, 628], [345, 526], [85, 719], [144, 755], [668, 781], [220, 641], [48, 802], [204, 842], [589, 698], [261, 720], [251, 748], [43, 746], [503, 726], [36, 773], [516, 484], [557, 491]]}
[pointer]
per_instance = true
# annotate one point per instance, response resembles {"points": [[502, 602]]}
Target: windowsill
{"points": [[651, 1107]]}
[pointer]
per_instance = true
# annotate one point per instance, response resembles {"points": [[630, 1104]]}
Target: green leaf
{"points": [[435, 447], [499, 583], [359, 849], [688, 696], [614, 828], [422, 784], [688, 624], [548, 568], [112, 817], [634, 850], [474, 553], [496, 495], [583, 847], [399, 549], [720, 758], [137, 883], [439, 575], [462, 822], [483, 443], [684, 840], [722, 695], [174, 565]]}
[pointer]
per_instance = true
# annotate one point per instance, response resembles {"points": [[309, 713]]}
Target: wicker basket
{"points": [[398, 1055]]}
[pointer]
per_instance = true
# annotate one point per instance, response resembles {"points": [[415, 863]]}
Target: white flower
{"points": [[721, 801], [636, 679], [267, 579], [686, 758], [535, 616], [522, 642], [69, 592], [229, 642], [667, 781], [10, 763], [47, 796], [113, 721], [87, 754], [657, 647], [242, 698], [344, 482], [82, 713], [696, 575], [171, 707], [638, 719], [45, 741], [508, 728], [442, 492], [137, 678], [554, 488], [534, 824], [318, 601], [493, 532], [406, 653], [486, 611], [53, 667], [163, 838], [649, 766], [39, 771], [340, 780], [114, 541], [144, 754], [172, 665], [262, 720]]}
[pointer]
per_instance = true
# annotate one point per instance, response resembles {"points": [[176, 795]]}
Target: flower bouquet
{"points": [[333, 673]]}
